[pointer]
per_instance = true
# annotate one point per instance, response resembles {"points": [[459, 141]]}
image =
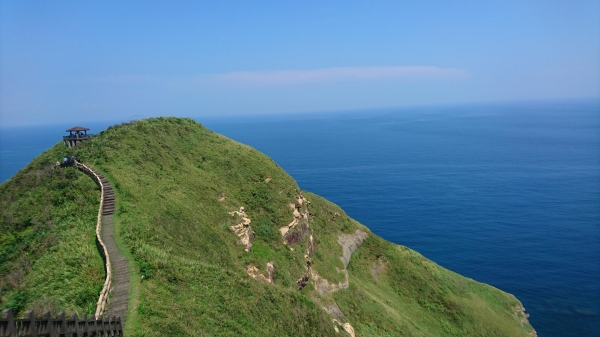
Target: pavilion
{"points": [[76, 134]]}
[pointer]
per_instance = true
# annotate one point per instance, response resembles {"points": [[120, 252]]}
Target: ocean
{"points": [[506, 194]]}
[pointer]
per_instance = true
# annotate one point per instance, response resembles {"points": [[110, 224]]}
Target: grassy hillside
{"points": [[177, 185], [48, 254]]}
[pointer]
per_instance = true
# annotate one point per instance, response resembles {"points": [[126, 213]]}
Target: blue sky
{"points": [[64, 61]]}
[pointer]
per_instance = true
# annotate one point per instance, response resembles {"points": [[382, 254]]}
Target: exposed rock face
{"points": [[291, 236], [271, 271], [302, 281], [349, 243], [243, 229], [347, 327], [295, 232], [257, 275], [311, 247]]}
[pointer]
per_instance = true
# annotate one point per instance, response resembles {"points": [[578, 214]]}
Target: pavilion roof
{"points": [[77, 128]]}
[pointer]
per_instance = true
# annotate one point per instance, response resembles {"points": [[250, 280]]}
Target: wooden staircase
{"points": [[114, 297], [108, 207]]}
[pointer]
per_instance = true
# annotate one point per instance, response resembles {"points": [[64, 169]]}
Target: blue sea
{"points": [[506, 194]]}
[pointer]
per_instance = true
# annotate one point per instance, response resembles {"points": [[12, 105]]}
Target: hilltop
{"points": [[221, 241]]}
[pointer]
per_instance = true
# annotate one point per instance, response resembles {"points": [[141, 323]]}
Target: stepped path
{"points": [[117, 268]]}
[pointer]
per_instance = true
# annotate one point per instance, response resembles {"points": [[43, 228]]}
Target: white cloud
{"points": [[342, 74], [278, 77], [126, 79]]}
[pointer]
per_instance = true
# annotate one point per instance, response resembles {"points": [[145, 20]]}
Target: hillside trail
{"points": [[116, 264]]}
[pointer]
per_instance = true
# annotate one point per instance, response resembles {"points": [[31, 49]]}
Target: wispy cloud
{"points": [[127, 79], [279, 77], [342, 74]]}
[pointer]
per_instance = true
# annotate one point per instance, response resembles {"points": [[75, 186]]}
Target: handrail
{"points": [[58, 326], [103, 297]]}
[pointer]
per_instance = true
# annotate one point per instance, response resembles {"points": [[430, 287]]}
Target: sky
{"points": [[84, 61]]}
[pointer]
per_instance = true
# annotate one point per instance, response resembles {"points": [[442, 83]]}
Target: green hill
{"points": [[201, 266]]}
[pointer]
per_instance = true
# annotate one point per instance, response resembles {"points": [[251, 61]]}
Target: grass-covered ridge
{"points": [[177, 182], [48, 254]]}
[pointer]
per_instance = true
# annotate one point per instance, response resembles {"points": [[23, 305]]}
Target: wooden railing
{"points": [[103, 297], [46, 326]]}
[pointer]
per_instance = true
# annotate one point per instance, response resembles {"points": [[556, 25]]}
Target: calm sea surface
{"points": [[507, 194]]}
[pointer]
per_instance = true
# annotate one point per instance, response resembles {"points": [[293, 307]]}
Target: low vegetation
{"points": [[48, 255], [176, 185]]}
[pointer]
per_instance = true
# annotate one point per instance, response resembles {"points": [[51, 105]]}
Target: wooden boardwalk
{"points": [[119, 292], [117, 302]]}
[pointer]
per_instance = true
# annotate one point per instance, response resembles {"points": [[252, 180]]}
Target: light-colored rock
{"points": [[243, 230], [298, 217], [284, 230], [257, 275], [347, 327], [311, 247], [271, 271], [349, 243]]}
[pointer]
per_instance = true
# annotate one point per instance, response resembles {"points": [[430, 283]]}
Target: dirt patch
{"points": [[335, 311], [222, 197], [323, 286], [379, 267]]}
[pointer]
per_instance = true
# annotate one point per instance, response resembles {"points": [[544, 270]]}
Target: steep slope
{"points": [[225, 243], [48, 254]]}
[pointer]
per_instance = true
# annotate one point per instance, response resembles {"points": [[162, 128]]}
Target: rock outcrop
{"points": [[349, 243], [243, 229], [291, 234], [253, 271]]}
